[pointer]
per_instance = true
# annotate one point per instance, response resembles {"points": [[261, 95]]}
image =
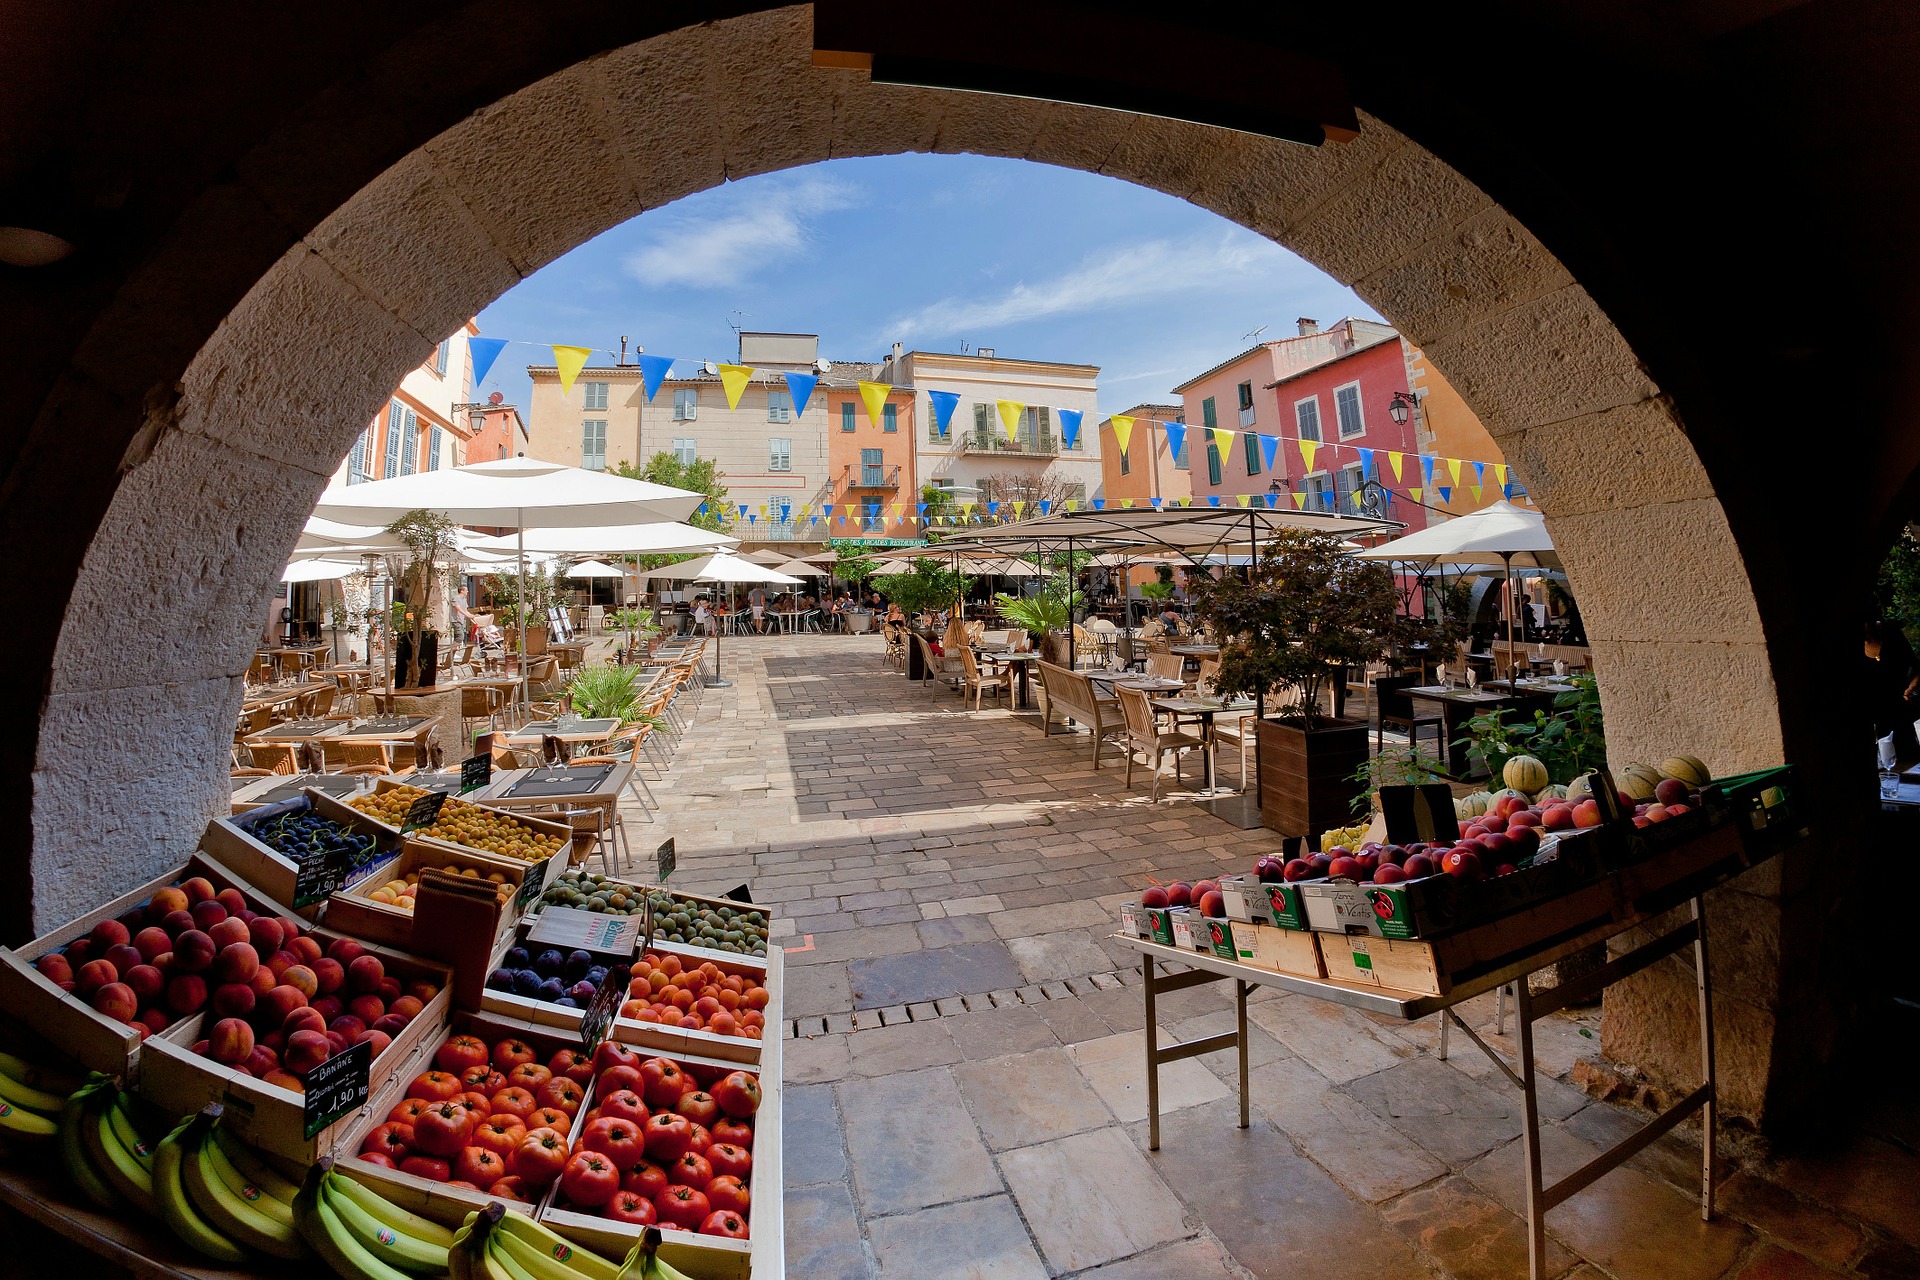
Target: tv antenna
{"points": [[963, 346], [1255, 335], [734, 324]]}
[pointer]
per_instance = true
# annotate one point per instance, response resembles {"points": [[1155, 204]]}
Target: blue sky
{"points": [[931, 251]]}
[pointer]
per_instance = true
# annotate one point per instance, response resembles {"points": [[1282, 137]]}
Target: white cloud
{"points": [[1118, 276], [729, 249]]}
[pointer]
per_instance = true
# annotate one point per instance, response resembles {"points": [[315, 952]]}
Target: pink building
{"points": [[1309, 416]]}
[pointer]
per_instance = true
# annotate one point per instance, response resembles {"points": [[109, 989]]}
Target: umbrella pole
{"points": [[1513, 662], [520, 553], [1072, 580], [717, 682]]}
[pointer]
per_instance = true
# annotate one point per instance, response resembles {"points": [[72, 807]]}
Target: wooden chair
{"points": [[276, 757], [479, 701], [1166, 666], [250, 772], [896, 651], [1393, 709], [1236, 731], [941, 669], [366, 770], [255, 721], [364, 753], [978, 682], [1144, 735]]}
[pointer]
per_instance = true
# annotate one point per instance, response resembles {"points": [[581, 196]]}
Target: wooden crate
{"points": [[552, 865], [1383, 962], [675, 1041], [704, 953], [1292, 951], [228, 842], [760, 1257], [90, 1038], [180, 1081], [351, 911]]}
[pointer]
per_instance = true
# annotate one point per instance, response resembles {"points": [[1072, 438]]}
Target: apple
{"points": [[1270, 869]]}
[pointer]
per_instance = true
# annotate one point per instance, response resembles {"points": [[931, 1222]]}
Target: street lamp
{"points": [[1403, 405]]}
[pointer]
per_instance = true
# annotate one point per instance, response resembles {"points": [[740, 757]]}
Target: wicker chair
{"points": [[366, 770], [250, 772], [364, 753], [1144, 735], [276, 757], [479, 701]]}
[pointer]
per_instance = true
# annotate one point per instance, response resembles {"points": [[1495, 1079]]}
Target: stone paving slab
{"points": [[1116, 1068], [1092, 1198], [1366, 1154], [912, 1143], [932, 974], [973, 1240], [1029, 1097]]}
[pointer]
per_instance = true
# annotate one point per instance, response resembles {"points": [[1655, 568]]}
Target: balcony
{"points": [[997, 445], [880, 478]]}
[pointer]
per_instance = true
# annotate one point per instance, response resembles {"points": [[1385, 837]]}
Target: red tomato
{"points": [[529, 1076], [563, 1094], [483, 1079], [479, 1166], [611, 1053], [661, 1082], [510, 1053], [434, 1086], [618, 1140], [572, 1064], [375, 1157], [682, 1207], [464, 1186], [443, 1129], [515, 1102], [408, 1110], [647, 1178], [691, 1170], [474, 1102], [589, 1180], [698, 1107], [728, 1194], [668, 1137], [614, 1079], [509, 1188], [722, 1223], [550, 1118], [701, 1141], [626, 1104], [394, 1139], [539, 1158], [631, 1206], [460, 1053], [737, 1132], [729, 1160], [705, 1074], [500, 1134], [427, 1167], [737, 1093]]}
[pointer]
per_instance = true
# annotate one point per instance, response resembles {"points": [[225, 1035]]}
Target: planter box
{"points": [[69, 1023], [229, 842], [675, 1041], [1306, 782], [353, 912]]}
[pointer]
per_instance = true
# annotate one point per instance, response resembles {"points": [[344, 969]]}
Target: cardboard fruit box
{"points": [[354, 911], [550, 866], [92, 1039], [694, 900], [1292, 951], [700, 1257], [180, 1081], [674, 1041], [231, 841]]}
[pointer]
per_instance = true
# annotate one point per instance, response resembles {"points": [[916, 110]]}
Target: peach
{"points": [[347, 1025], [193, 951], [108, 933], [345, 950], [139, 1029], [281, 1079], [164, 963], [281, 961], [156, 1020], [229, 931], [234, 1000], [306, 949], [301, 979], [93, 975], [261, 1060], [330, 972], [263, 981], [54, 967], [166, 901], [247, 914], [116, 1000], [388, 990], [330, 1007], [198, 889], [393, 1024], [124, 957], [339, 1041], [302, 1020], [187, 994], [152, 941], [293, 927], [147, 982], [422, 991], [266, 934], [364, 974], [275, 1039], [407, 1007], [232, 899], [278, 1003], [236, 963], [230, 1041], [207, 914], [369, 1009], [177, 922], [79, 951], [379, 1039], [133, 918]]}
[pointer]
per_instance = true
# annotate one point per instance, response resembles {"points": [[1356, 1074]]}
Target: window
{"points": [[779, 405], [1076, 493], [435, 438], [410, 445], [362, 453], [1346, 406], [1307, 414], [780, 454], [440, 356], [1251, 442], [933, 426], [1246, 404], [1319, 490], [1213, 462], [396, 419], [1126, 460], [890, 417], [1346, 483], [1207, 416], [872, 468], [593, 444], [847, 419], [983, 425], [686, 404], [595, 394], [685, 450]]}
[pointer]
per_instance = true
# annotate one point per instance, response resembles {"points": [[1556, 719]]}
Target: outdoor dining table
{"points": [[394, 729], [595, 786], [1457, 706], [1203, 709], [262, 791], [572, 730], [1021, 664]]}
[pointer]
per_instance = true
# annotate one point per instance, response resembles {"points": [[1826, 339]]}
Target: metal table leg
{"points": [[1157, 1057]]}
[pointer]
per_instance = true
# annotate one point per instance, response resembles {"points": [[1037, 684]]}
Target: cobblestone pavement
{"points": [[965, 1087]]}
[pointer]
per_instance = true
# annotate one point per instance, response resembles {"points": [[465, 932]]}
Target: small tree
{"points": [[927, 586], [701, 476], [429, 539], [852, 563], [1308, 610]]}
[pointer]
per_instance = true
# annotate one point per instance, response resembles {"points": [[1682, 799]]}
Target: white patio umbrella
{"points": [[320, 570], [800, 569], [766, 556], [720, 567]]}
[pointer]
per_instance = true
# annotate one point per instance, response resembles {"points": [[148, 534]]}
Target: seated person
{"points": [[1170, 620]]}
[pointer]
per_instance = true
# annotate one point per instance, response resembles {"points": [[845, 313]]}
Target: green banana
{"points": [[397, 1248], [21, 1094], [328, 1237], [547, 1244], [537, 1265], [122, 1124], [250, 1165], [17, 1124], [232, 1214], [387, 1213], [243, 1187], [176, 1206], [112, 1160], [502, 1264], [73, 1154], [644, 1262], [467, 1259], [32, 1074]]}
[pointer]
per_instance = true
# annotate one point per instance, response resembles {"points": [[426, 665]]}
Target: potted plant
{"points": [[1306, 611], [1046, 616], [429, 539], [525, 617]]}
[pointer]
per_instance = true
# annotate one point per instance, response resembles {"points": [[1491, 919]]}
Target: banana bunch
{"points": [[644, 1263], [30, 1098], [1344, 837], [104, 1151], [212, 1205], [364, 1236], [494, 1244]]}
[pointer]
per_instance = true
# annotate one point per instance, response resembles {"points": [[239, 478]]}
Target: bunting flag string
{"points": [[799, 385], [1069, 425], [1176, 437], [1011, 412], [943, 404], [568, 361], [734, 379]]}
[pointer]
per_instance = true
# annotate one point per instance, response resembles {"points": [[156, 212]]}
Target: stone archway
{"points": [[212, 500]]}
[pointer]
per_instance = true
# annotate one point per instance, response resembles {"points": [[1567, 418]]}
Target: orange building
{"points": [[1449, 429], [1147, 468], [497, 430], [869, 454]]}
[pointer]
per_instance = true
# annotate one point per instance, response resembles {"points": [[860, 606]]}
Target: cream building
{"points": [[425, 425]]}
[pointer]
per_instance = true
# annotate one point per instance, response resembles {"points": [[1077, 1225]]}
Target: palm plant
{"points": [[606, 691]]}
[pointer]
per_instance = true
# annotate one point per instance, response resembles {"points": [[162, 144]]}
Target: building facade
{"points": [[595, 423], [870, 463], [423, 426], [495, 430], [1148, 467]]}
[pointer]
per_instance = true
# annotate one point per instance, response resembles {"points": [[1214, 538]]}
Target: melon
{"points": [[1526, 774], [1475, 803], [1686, 769], [1509, 793], [1639, 780], [1554, 792], [1580, 788]]}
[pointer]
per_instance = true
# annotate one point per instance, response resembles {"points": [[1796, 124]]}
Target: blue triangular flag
{"points": [[1270, 498], [801, 386], [1156, 504], [943, 404], [993, 508], [1446, 494], [1213, 499], [921, 508], [1099, 504], [743, 508], [1479, 473], [1506, 491], [484, 351], [653, 370], [1426, 469], [1270, 445], [1046, 505], [1366, 462], [1176, 437], [828, 508], [1069, 425]]}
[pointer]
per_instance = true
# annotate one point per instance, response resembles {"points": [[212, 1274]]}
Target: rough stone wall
{"points": [[148, 693]]}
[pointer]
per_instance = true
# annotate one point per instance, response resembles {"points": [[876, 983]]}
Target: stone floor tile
{"points": [[1673, 1158], [993, 1033], [817, 989], [1029, 1097], [973, 1240], [1442, 1110], [823, 1233], [931, 974], [1276, 1212], [815, 1060], [1333, 1040], [1071, 1021], [1049, 919], [1116, 1067], [1092, 1198], [955, 930], [812, 1148], [1364, 1153], [1786, 1219], [1196, 1259], [1225, 1063], [1470, 1236], [1049, 957], [1771, 1263], [1875, 1180], [912, 1143]]}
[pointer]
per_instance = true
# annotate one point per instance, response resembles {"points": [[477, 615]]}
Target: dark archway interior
{"points": [[1730, 182]]}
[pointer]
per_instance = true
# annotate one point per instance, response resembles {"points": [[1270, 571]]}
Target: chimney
{"points": [[898, 351], [985, 353], [1308, 325]]}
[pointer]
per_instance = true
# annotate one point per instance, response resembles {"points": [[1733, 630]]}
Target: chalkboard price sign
{"points": [[319, 876], [666, 859], [531, 886], [599, 1013], [425, 810], [476, 773], [337, 1087]]}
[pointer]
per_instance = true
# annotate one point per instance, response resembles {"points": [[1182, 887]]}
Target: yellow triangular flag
{"points": [[763, 508], [1500, 475], [966, 508], [1299, 501], [1394, 458], [1243, 500], [1453, 466], [1126, 503], [875, 395], [569, 361], [1020, 507], [1307, 449], [1073, 504], [734, 377], [1414, 493], [1476, 491], [896, 508], [1122, 430], [1223, 439], [1010, 411]]}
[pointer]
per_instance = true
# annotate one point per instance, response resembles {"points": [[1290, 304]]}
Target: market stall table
{"points": [[575, 786]]}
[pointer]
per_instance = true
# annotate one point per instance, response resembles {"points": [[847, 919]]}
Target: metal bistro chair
{"points": [[1394, 709], [1145, 735]]}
